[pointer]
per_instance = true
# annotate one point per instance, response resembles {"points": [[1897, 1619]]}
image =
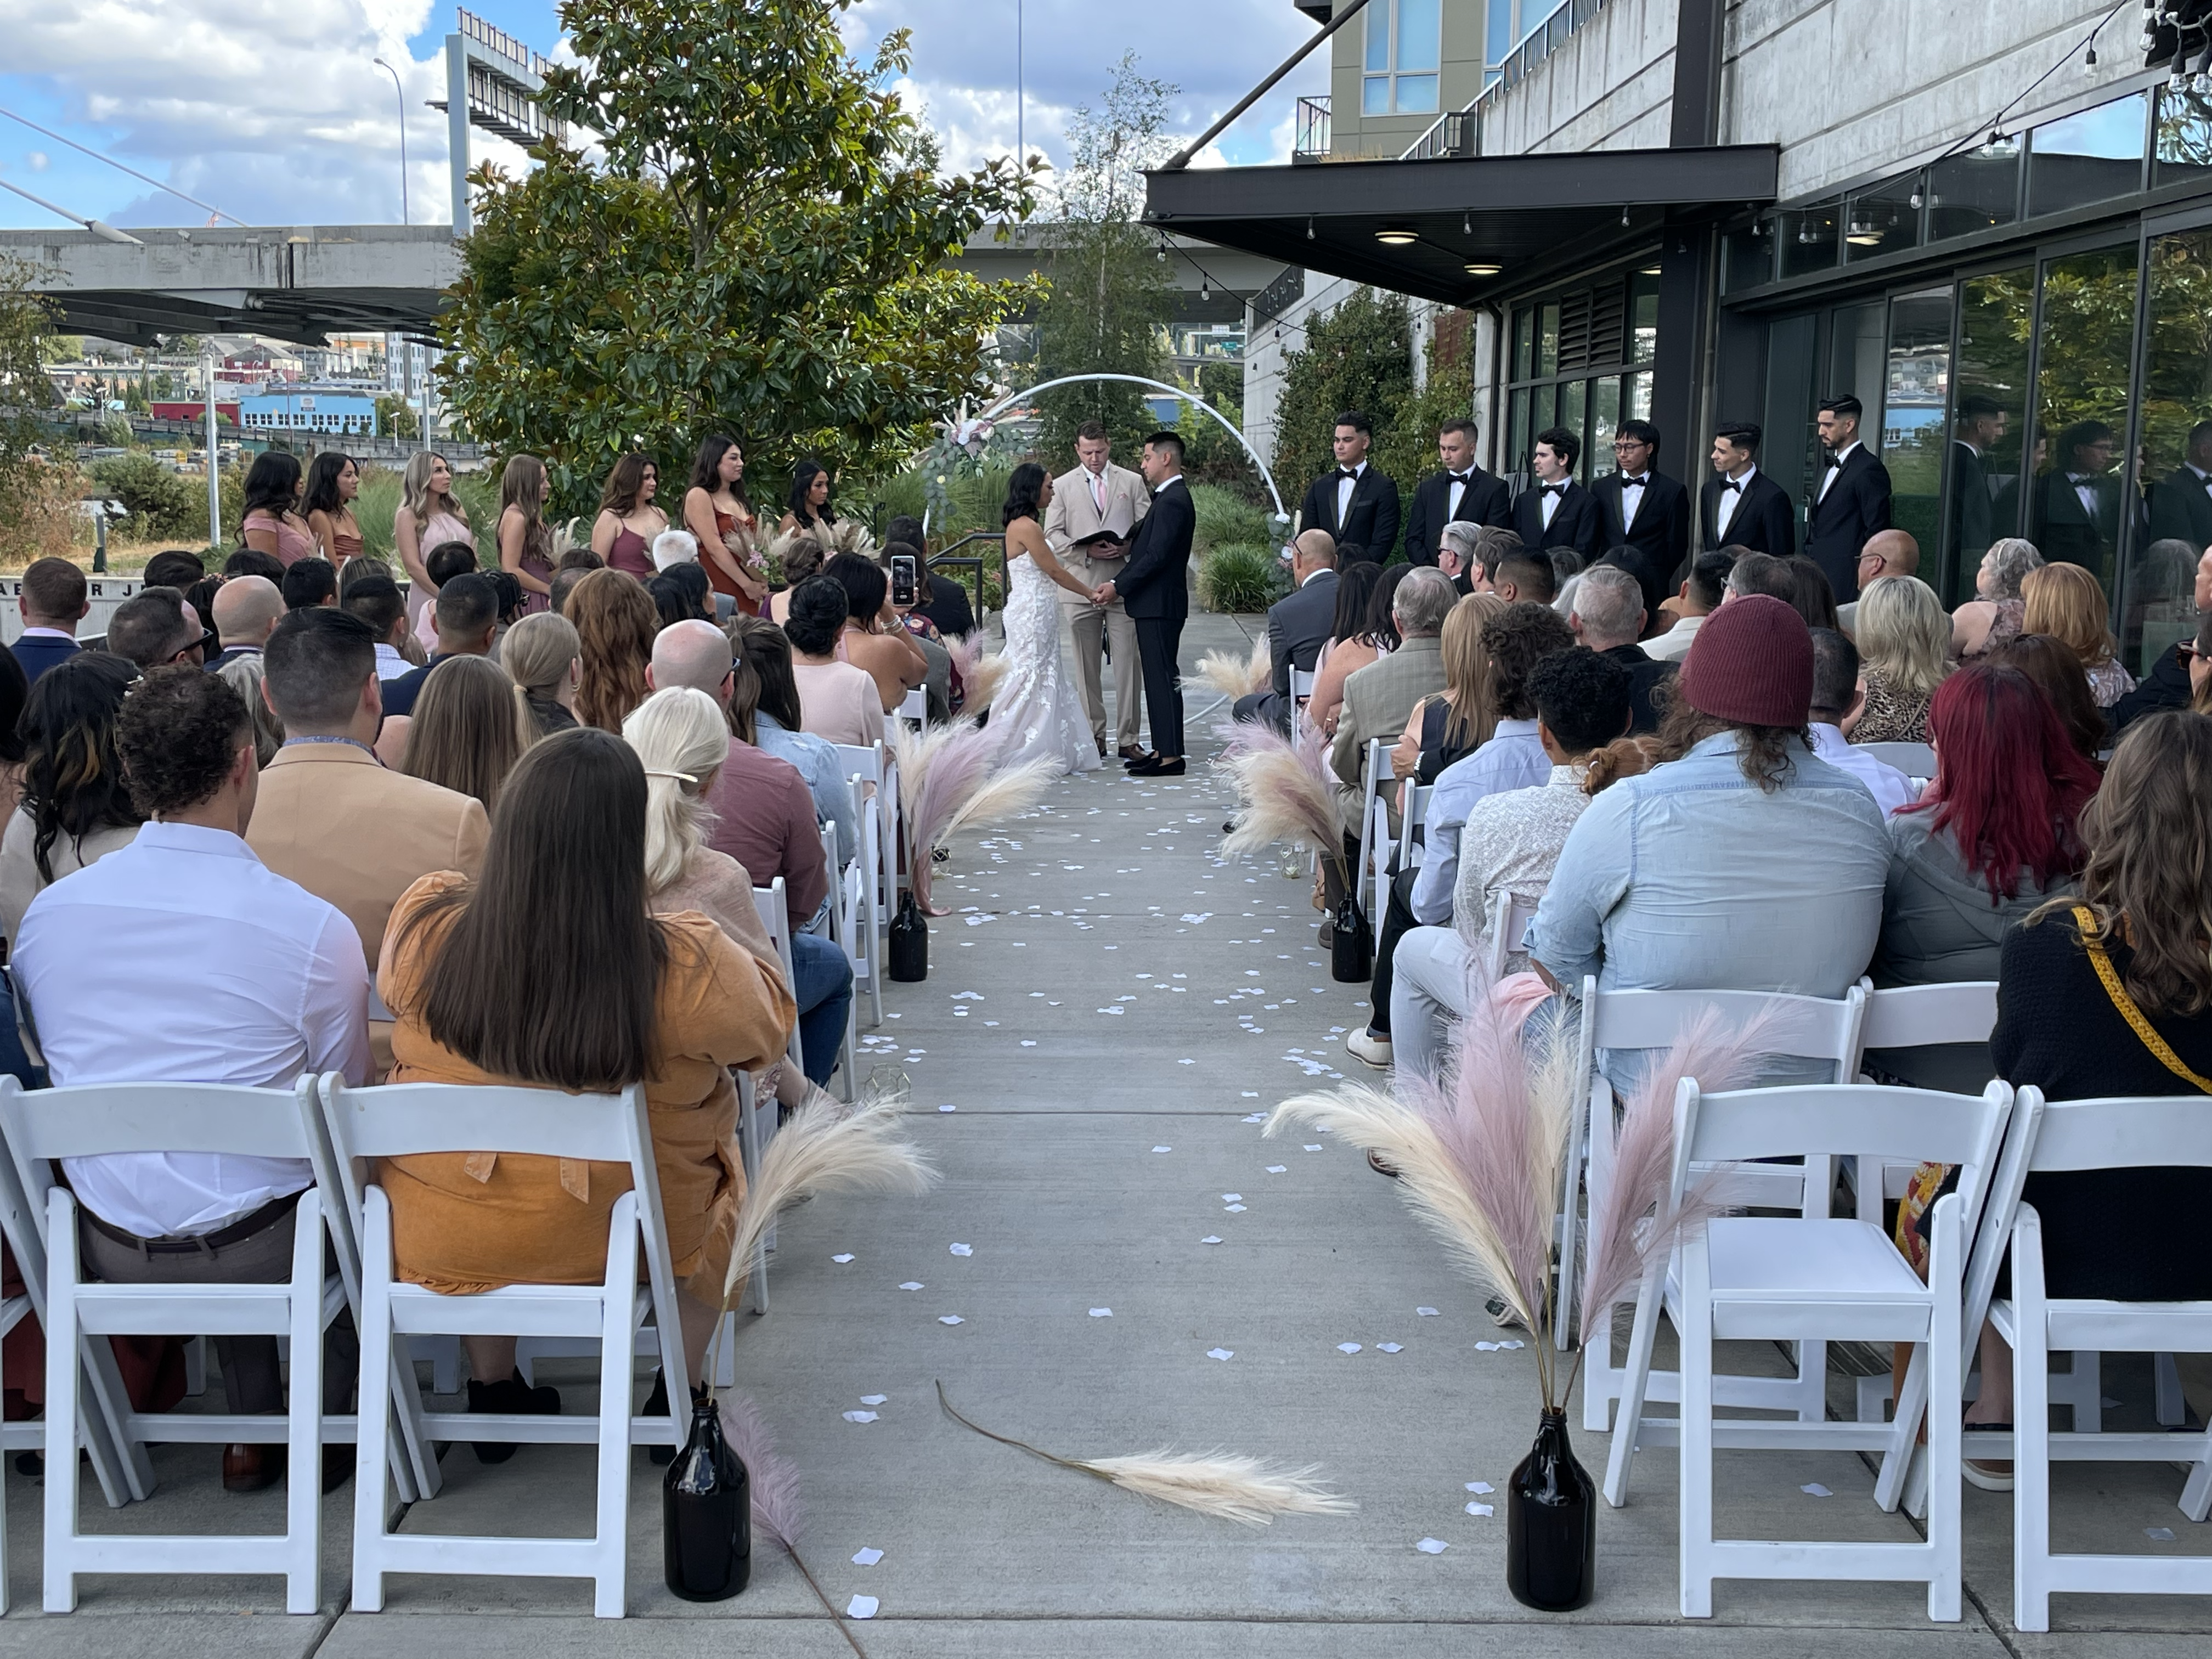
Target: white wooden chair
{"points": [[1915, 1017], [1507, 918], [398, 1120], [2169, 1131], [1812, 1279], [1374, 815], [1301, 685], [1405, 850], [1805, 1028], [915, 708], [875, 865], [100, 1119], [1916, 760]]}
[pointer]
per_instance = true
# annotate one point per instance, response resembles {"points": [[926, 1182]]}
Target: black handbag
{"points": [[1352, 944]]}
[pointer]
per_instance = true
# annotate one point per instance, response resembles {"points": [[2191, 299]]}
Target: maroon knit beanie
{"points": [[1752, 663]]}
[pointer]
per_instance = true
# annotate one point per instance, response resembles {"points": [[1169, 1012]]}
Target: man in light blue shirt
{"points": [[1749, 864]]}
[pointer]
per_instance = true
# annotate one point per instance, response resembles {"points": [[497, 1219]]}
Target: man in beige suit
{"points": [[329, 815], [1098, 495]]}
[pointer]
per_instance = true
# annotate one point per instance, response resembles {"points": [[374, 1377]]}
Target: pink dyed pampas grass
{"points": [[778, 1513], [980, 676], [1284, 791], [950, 779]]}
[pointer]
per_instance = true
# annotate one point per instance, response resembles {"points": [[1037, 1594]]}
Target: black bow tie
{"points": [[1728, 484], [1552, 489], [1459, 477], [1347, 472], [1638, 482], [1832, 459]]}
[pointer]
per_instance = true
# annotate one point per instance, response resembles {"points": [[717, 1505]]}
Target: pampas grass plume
{"points": [[1238, 677], [980, 676], [1226, 1485], [1283, 791], [773, 1478]]}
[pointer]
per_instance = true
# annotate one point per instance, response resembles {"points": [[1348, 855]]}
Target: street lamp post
{"points": [[405, 217], [215, 488], [1021, 150]]}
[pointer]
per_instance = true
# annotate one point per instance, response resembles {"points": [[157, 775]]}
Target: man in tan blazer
{"points": [[1379, 699], [1098, 495], [328, 816]]}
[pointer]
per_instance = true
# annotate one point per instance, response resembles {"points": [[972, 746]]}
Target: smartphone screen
{"points": [[902, 579]]}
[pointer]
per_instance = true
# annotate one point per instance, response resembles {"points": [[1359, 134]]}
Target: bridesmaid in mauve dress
{"points": [[526, 545], [623, 533]]}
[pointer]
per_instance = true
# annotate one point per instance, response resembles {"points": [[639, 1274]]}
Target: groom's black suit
{"points": [[1154, 588]]}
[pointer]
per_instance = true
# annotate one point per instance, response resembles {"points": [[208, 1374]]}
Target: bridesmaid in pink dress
{"points": [[526, 545], [622, 534], [272, 522]]}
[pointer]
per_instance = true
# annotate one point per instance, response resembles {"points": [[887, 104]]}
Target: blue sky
{"points": [[277, 113]]}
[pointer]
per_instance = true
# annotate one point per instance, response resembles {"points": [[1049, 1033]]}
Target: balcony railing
{"points": [[1459, 132], [1312, 142]]}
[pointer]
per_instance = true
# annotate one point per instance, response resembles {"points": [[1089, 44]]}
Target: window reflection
{"points": [[2084, 493], [2181, 148], [1973, 190], [1883, 221], [2156, 605], [1808, 240], [2087, 158], [1989, 418], [1916, 384]]}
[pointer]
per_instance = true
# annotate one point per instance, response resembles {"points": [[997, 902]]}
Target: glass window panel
{"points": [[2157, 605], [1916, 394], [1574, 398], [2081, 490], [1420, 37], [1637, 405], [1855, 358], [1974, 190], [1989, 418], [1808, 240], [1785, 452], [1374, 95], [1378, 39], [1547, 339], [1883, 220], [2182, 140], [1499, 34], [1524, 335], [1543, 411], [1644, 316], [1604, 425], [1417, 94], [1747, 256], [2088, 158], [1516, 459]]}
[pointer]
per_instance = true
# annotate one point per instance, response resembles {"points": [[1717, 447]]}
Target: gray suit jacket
{"points": [[1298, 625], [1379, 699]]}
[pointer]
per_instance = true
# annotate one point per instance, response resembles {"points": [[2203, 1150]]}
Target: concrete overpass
{"points": [[308, 283]]}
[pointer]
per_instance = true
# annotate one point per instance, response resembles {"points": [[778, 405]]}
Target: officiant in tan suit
{"points": [[1096, 497]]}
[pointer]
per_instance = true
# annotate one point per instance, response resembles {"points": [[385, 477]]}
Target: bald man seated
{"points": [[246, 610], [1298, 625], [1887, 553]]}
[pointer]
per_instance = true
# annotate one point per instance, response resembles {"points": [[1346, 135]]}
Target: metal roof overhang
{"points": [[1534, 216]]}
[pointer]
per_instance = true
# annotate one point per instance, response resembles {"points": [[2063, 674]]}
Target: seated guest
{"points": [[937, 686], [1835, 699], [615, 622], [1447, 727], [673, 546], [174, 568], [467, 732], [1812, 596], [1509, 843], [329, 818], [1515, 640], [310, 582], [1354, 641], [946, 602], [1523, 573], [1459, 554], [467, 615], [2066, 603], [1701, 594], [763, 648], [671, 601], [838, 702], [1297, 627], [14, 692], [1997, 615], [2057, 672], [1904, 644], [564, 583], [550, 971], [1655, 889], [698, 592], [1887, 553], [155, 629], [1608, 617], [290, 997], [53, 603], [251, 562], [802, 561], [1763, 573], [76, 808], [246, 610], [446, 561], [2171, 679], [544, 658], [2136, 1235], [1379, 699], [377, 600], [874, 638], [762, 812]]}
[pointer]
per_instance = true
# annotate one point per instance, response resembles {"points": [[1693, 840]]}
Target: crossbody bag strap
{"points": [[2161, 1049]]}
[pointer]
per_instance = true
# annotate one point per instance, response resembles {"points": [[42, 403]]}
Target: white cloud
{"points": [[37, 158]]}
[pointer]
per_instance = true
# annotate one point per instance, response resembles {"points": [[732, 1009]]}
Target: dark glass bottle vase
{"points": [[910, 946], [706, 1514], [1551, 1524], [1351, 945]]}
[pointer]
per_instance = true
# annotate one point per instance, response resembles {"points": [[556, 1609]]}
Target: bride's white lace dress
{"points": [[1038, 712]]}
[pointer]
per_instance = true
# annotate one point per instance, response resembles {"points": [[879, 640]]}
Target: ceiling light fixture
{"points": [[1864, 232], [1482, 268], [1397, 236], [1648, 270]]}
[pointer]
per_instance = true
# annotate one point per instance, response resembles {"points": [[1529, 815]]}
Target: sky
{"points": [[274, 111]]}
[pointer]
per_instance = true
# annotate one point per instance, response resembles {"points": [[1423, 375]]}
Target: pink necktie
{"points": [[1098, 493]]}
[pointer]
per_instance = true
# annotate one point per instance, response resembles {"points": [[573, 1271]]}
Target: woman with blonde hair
{"points": [[1455, 722], [467, 732], [525, 543], [1997, 614], [1904, 640], [2067, 602], [428, 516], [615, 622], [544, 658]]}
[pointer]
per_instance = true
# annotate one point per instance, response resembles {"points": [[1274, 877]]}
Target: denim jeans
{"points": [[822, 988]]}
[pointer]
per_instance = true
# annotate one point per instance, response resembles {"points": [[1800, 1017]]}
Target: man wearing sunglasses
{"points": [[1646, 514], [156, 628]]}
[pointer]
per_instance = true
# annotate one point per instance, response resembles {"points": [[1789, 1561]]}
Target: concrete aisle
{"points": [[1105, 1009]]}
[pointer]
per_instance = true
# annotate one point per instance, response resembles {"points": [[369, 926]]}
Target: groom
{"points": [[1154, 588]]}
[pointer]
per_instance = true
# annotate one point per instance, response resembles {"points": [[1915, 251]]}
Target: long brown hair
{"points": [[2057, 672], [1474, 715], [615, 620], [522, 486], [2066, 603], [550, 968], [2149, 869], [624, 483], [467, 734], [1762, 751]]}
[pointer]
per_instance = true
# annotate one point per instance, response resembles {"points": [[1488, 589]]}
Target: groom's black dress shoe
{"points": [[1134, 758], [1156, 768]]}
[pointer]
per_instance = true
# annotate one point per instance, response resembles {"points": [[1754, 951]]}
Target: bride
{"points": [[1038, 712]]}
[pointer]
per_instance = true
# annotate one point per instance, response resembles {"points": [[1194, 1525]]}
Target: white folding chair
{"points": [[403, 1119], [94, 1120], [1506, 916], [1301, 685], [1374, 830], [2158, 1130], [875, 865], [1820, 1279], [1806, 1028], [915, 708], [1406, 850], [1916, 760], [1916, 1017]]}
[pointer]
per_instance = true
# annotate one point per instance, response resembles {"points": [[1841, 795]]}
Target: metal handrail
{"points": [[1539, 42], [977, 565]]}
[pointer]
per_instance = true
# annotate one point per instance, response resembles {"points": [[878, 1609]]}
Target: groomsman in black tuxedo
{"points": [[1851, 501], [1980, 428], [1461, 494], [1740, 505], [1645, 515], [2181, 502], [2076, 517], [1354, 502], [1557, 512]]}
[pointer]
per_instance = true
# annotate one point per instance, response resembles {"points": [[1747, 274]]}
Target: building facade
{"points": [[310, 410], [1997, 233]]}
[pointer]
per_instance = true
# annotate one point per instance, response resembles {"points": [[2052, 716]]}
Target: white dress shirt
{"points": [[1730, 500], [1344, 487], [183, 959], [390, 665], [1632, 496], [1513, 758], [1549, 503], [1675, 644], [1891, 789], [2085, 491], [1829, 474], [1452, 491]]}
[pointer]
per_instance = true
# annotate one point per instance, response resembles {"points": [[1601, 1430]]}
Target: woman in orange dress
{"points": [[716, 512], [549, 971], [333, 481]]}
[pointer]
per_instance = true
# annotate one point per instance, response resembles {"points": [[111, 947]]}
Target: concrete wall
{"points": [[1610, 87]]}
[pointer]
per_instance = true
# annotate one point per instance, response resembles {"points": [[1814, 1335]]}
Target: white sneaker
{"points": [[1366, 1046]]}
